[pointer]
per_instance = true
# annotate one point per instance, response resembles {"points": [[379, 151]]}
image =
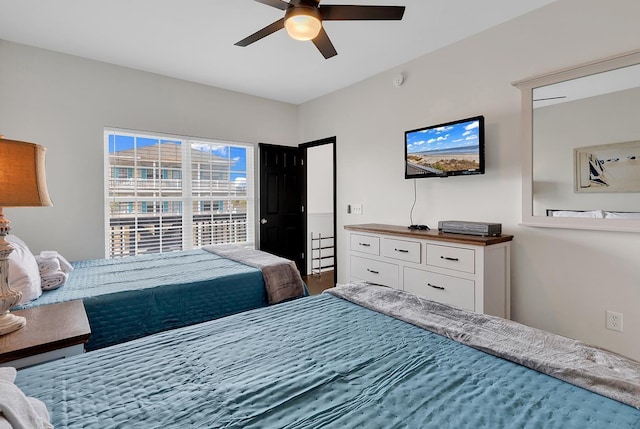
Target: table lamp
{"points": [[22, 184]]}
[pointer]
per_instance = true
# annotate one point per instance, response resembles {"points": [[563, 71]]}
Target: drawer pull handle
{"points": [[372, 271], [365, 244], [449, 259], [435, 287], [401, 250]]}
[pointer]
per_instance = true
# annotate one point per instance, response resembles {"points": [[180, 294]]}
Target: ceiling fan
{"points": [[303, 20]]}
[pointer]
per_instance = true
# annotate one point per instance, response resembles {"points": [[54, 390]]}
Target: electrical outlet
{"points": [[614, 321]]}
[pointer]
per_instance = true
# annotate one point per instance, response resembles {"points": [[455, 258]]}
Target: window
{"points": [[151, 208]]}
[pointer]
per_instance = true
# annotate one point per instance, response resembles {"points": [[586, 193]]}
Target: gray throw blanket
{"points": [[281, 277], [583, 365]]}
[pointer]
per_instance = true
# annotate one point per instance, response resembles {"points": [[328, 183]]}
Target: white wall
{"points": [[562, 280], [320, 178], [64, 102]]}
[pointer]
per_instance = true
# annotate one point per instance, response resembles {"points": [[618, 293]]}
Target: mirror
{"points": [[581, 146]]}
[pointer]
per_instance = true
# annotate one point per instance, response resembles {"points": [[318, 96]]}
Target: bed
{"points": [[325, 361], [128, 298]]}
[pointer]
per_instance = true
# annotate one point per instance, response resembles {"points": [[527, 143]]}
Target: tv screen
{"points": [[451, 149]]}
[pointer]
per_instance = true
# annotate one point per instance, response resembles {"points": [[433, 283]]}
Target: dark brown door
{"points": [[281, 211]]}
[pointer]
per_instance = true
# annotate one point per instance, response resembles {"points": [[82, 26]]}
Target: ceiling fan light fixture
{"points": [[302, 23]]}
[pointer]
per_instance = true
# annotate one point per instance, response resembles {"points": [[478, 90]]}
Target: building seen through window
{"points": [[165, 194]]}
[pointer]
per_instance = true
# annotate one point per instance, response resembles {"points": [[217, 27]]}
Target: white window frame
{"points": [[187, 197]]}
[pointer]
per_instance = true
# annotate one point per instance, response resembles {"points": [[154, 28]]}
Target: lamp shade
{"points": [[22, 175]]}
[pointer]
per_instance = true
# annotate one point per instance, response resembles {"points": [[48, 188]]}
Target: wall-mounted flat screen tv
{"points": [[450, 149]]}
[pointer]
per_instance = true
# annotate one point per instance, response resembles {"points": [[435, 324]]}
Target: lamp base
{"points": [[10, 322]]}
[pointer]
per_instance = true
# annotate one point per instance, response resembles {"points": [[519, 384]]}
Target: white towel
{"points": [[18, 410], [4, 424], [64, 265], [8, 373], [54, 280], [48, 265]]}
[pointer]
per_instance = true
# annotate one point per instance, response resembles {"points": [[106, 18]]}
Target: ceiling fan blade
{"points": [[324, 45], [355, 13], [269, 29], [278, 4]]}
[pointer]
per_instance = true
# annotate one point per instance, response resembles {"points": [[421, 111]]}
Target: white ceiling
{"points": [[194, 39]]}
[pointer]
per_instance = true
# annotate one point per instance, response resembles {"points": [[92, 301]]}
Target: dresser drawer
{"points": [[453, 258], [401, 249], [365, 244], [378, 272], [439, 287]]}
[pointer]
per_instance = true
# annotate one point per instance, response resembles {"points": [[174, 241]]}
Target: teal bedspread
{"points": [[318, 362], [128, 298]]}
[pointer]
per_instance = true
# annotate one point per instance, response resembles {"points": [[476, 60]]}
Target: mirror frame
{"points": [[526, 87]]}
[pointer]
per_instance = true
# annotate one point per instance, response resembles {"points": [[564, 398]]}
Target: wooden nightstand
{"points": [[53, 332]]}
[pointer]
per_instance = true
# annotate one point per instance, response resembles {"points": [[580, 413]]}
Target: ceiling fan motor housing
{"points": [[302, 22]]}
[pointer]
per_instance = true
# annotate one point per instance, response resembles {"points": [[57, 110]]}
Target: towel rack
{"points": [[324, 260]]}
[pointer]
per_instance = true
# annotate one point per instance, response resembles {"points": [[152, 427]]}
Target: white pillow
{"points": [[24, 275]]}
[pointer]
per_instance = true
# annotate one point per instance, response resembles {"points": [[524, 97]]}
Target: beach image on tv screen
{"points": [[444, 149]]}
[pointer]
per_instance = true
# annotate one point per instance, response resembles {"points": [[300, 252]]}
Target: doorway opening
{"points": [[298, 208], [319, 199]]}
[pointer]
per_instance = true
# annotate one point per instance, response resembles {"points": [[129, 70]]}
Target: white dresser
{"points": [[464, 270]]}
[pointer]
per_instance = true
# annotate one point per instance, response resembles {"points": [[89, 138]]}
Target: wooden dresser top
{"points": [[403, 231]]}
